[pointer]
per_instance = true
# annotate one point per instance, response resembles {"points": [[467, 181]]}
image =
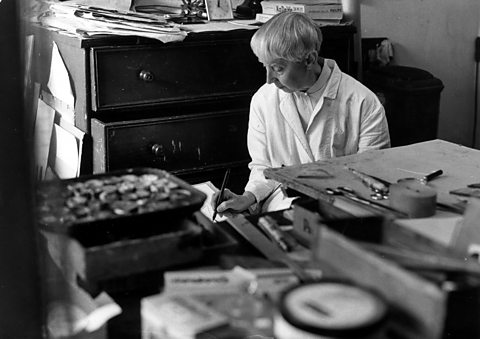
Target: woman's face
{"points": [[287, 75]]}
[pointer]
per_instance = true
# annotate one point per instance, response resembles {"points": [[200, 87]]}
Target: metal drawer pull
{"points": [[158, 150], [146, 76]]}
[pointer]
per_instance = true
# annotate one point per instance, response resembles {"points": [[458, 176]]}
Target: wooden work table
{"points": [[460, 165]]}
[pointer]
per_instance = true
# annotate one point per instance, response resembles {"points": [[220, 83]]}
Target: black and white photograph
{"points": [[239, 169]]}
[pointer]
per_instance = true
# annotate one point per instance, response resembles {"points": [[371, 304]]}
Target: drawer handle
{"points": [[146, 76], [158, 150]]}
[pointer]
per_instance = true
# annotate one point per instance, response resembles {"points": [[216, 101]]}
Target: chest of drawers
{"points": [[181, 106]]}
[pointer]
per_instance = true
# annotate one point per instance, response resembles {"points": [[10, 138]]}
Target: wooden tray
{"points": [[145, 201]]}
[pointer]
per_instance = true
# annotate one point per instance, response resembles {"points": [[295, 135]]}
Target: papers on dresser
{"points": [[90, 21]]}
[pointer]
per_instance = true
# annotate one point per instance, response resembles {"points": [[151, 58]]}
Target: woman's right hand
{"points": [[232, 202]]}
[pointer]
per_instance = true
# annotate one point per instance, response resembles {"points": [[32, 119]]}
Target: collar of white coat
{"points": [[329, 83], [288, 108]]}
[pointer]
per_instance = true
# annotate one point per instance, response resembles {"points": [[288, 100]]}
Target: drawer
{"points": [[179, 144], [133, 76]]}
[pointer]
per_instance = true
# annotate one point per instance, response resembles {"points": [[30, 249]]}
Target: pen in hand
{"points": [[220, 196]]}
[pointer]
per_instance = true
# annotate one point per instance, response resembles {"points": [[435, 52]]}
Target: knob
{"points": [[146, 76], [158, 150]]}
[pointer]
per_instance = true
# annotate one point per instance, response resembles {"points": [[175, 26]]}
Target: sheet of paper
{"points": [[65, 152], [42, 137], [209, 189], [59, 81], [119, 5]]}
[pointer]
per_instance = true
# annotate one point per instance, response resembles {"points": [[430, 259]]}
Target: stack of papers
{"points": [[90, 21]]}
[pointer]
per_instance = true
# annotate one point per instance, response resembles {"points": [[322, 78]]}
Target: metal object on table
{"points": [[425, 179], [378, 187], [350, 194]]}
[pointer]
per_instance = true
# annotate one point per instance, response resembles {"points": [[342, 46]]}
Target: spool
{"points": [[330, 309], [413, 198]]}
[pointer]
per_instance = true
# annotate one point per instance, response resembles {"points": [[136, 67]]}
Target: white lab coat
{"points": [[348, 119]]}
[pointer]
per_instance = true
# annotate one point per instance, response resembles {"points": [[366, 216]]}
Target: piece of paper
{"points": [[65, 112], [65, 151], [59, 81], [209, 189], [119, 5], [42, 137]]}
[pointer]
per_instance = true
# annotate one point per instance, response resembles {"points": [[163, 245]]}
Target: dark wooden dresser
{"points": [[181, 106]]}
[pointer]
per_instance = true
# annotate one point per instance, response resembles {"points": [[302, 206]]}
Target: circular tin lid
{"points": [[334, 309]]}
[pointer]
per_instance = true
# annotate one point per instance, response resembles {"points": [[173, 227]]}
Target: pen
{"points": [[220, 196]]}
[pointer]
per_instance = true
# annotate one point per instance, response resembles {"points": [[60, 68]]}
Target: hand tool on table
{"points": [[269, 249], [425, 179], [379, 188], [350, 194]]}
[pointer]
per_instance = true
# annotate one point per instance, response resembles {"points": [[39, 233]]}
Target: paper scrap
{"points": [[59, 81], [119, 5], [66, 153], [42, 137], [209, 189]]}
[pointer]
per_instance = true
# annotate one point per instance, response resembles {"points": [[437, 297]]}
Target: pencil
{"points": [[220, 196]]}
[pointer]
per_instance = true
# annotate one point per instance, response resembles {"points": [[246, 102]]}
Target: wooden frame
{"points": [[219, 9]]}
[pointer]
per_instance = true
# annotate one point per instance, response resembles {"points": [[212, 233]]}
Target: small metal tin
{"points": [[330, 309]]}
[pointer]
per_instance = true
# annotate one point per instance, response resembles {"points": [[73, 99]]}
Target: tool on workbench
{"points": [[350, 194], [454, 208], [378, 187], [426, 178], [475, 185]]}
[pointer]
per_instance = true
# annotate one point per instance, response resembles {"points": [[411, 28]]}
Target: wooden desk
{"points": [[460, 165]]}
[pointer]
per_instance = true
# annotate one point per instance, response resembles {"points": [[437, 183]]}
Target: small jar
{"points": [[330, 310]]}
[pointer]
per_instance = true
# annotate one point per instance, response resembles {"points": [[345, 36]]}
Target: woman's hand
{"points": [[233, 202]]}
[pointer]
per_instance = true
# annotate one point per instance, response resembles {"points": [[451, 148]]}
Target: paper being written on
{"points": [[209, 189]]}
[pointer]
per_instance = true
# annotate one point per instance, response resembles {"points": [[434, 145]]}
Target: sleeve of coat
{"points": [[374, 127], [258, 149]]}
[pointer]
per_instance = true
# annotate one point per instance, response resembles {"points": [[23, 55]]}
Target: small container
{"points": [[330, 310]]}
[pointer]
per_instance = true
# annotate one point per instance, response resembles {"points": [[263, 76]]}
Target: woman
{"points": [[307, 111]]}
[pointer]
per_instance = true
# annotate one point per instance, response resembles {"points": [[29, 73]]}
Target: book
{"points": [[262, 18], [311, 2], [177, 316], [321, 11]]}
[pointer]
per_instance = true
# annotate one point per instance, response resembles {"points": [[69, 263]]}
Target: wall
{"points": [[438, 36]]}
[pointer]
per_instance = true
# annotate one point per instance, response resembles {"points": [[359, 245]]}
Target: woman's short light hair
{"points": [[289, 36]]}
